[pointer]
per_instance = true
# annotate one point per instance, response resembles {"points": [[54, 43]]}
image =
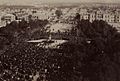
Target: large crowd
{"points": [[23, 63]]}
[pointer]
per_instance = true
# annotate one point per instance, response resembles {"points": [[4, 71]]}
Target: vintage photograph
{"points": [[59, 40]]}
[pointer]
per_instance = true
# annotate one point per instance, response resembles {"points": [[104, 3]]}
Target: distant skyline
{"points": [[33, 2]]}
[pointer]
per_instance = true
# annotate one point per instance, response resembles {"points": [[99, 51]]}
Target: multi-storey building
{"points": [[8, 18], [99, 15], [117, 18], [106, 17], [84, 16], [42, 16], [109, 17], [112, 18], [92, 17], [20, 16]]}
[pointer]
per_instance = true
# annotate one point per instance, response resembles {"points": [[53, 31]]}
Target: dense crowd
{"points": [[25, 61], [17, 65]]}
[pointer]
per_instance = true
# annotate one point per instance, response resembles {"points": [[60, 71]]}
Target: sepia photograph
{"points": [[59, 40]]}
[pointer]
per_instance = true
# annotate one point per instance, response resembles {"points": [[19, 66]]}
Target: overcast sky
{"points": [[20, 2]]}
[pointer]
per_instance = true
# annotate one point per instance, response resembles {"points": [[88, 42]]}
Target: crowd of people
{"points": [[25, 61]]}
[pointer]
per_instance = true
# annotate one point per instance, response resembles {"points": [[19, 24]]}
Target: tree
{"points": [[58, 13], [23, 24]]}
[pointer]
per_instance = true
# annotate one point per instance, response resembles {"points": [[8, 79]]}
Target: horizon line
{"points": [[5, 4]]}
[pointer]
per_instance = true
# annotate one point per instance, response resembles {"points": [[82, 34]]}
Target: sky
{"points": [[24, 2]]}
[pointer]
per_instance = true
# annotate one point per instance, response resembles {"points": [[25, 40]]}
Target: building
{"points": [[99, 16], [106, 17], [117, 18], [92, 17], [109, 17], [83, 11], [84, 16], [8, 18], [40, 15], [20, 16], [112, 18]]}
